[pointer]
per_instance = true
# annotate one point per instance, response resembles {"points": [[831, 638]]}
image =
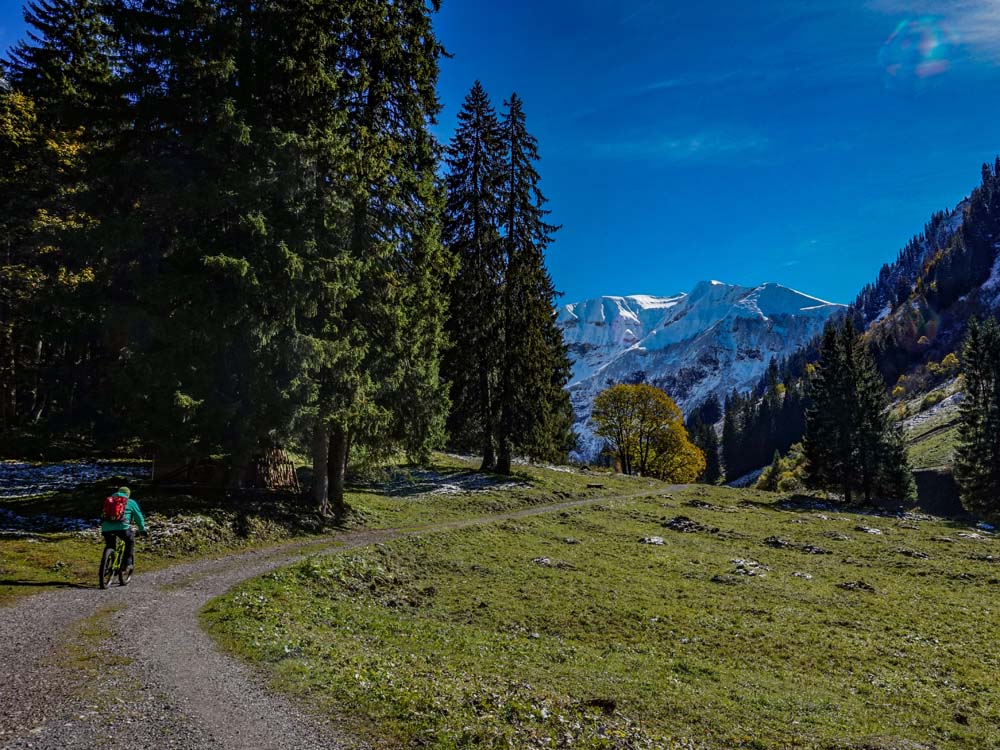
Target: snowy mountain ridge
{"points": [[715, 338]]}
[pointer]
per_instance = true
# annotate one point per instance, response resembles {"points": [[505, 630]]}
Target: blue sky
{"points": [[798, 142]]}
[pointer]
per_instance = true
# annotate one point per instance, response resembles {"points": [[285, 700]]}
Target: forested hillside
{"points": [[914, 316]]}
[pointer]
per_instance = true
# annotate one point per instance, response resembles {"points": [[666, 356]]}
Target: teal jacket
{"points": [[132, 515]]}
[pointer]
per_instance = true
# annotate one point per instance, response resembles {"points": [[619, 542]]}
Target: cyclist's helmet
{"points": [[124, 491]]}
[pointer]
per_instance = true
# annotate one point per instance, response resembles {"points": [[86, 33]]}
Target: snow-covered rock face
{"points": [[709, 341]]}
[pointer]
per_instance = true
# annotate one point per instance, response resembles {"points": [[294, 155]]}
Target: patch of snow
{"points": [[747, 480], [21, 479]]}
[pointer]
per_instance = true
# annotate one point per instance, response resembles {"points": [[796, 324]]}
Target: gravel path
{"points": [[168, 686]]}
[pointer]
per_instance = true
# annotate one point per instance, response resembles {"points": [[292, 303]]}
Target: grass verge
{"points": [[767, 626]]}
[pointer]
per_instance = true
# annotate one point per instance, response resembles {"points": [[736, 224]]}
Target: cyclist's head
{"points": [[124, 491]]}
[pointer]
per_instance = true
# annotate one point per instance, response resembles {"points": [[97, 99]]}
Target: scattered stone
{"points": [[811, 549], [985, 558], [702, 505], [946, 539], [570, 540], [970, 535], [687, 526], [867, 529], [805, 576], [963, 577], [595, 486], [798, 520], [909, 526], [657, 540], [840, 537], [778, 543], [857, 586], [748, 567], [913, 553]]}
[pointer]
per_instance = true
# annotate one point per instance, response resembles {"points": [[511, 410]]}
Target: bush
{"points": [[932, 399]]}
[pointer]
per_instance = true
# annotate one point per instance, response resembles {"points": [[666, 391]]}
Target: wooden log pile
{"points": [[274, 470]]}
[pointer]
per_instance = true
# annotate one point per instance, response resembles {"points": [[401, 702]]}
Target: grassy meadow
{"points": [[759, 622]]}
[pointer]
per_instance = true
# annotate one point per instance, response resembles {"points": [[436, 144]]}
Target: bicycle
{"points": [[111, 563]]}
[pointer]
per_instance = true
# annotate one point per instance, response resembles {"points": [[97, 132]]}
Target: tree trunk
{"points": [[337, 466], [504, 447], [489, 457], [8, 364], [321, 476]]}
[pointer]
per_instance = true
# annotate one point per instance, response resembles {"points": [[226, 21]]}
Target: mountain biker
{"points": [[123, 528]]}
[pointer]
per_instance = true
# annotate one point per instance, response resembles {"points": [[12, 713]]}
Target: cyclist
{"points": [[123, 528]]}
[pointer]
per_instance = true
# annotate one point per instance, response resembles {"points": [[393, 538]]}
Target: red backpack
{"points": [[114, 508]]}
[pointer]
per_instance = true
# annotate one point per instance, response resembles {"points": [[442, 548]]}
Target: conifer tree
{"points": [[388, 65], [851, 443], [829, 440], [473, 217], [706, 439], [534, 405], [977, 456]]}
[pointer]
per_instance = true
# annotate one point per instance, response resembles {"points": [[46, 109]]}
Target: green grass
{"points": [[458, 639], [935, 450], [406, 496], [215, 522], [182, 527]]}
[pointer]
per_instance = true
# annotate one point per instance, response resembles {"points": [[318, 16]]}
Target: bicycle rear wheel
{"points": [[107, 567], [124, 574]]}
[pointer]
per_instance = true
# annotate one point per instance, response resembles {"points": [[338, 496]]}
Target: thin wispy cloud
{"points": [[974, 23], [682, 82], [707, 146]]}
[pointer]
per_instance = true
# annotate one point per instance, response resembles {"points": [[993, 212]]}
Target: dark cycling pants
{"points": [[129, 536]]}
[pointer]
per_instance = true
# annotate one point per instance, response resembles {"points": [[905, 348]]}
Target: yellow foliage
{"points": [[646, 431], [70, 279], [18, 119]]}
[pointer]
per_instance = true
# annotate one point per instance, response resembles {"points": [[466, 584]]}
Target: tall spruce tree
{"points": [[390, 68], [851, 444], [534, 405], [472, 220], [977, 456]]}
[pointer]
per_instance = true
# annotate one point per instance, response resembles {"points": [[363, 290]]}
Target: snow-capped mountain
{"points": [[709, 341]]}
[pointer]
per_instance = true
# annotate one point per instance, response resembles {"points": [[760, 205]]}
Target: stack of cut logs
{"points": [[274, 470]]}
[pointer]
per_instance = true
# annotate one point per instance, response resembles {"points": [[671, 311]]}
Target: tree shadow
{"points": [[45, 584], [413, 481]]}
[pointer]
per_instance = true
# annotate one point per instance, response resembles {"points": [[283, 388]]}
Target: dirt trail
{"points": [[171, 688]]}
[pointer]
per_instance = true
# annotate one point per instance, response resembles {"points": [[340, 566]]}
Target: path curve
{"points": [[172, 687]]}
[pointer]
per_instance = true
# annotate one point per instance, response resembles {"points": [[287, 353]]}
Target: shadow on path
{"points": [[48, 584]]}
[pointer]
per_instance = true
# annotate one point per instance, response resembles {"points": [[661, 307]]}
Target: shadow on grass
{"points": [[412, 481]]}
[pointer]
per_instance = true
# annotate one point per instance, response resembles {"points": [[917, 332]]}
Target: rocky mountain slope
{"points": [[707, 342]]}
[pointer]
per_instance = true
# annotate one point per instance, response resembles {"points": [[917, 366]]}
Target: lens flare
{"points": [[919, 49]]}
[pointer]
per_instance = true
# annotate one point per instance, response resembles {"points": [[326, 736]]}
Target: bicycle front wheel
{"points": [[107, 569]]}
